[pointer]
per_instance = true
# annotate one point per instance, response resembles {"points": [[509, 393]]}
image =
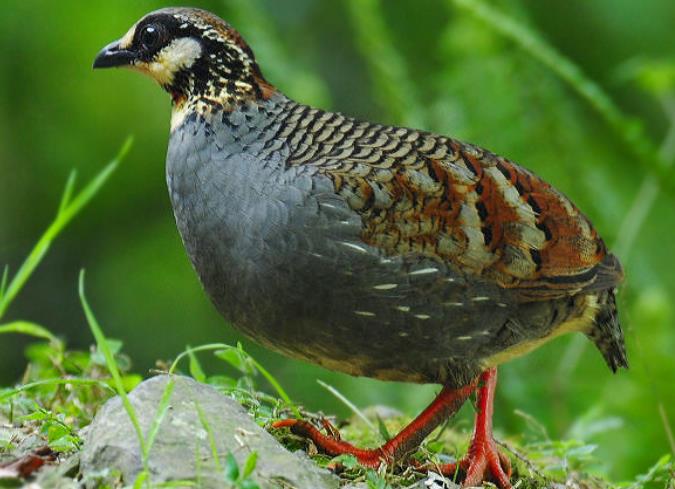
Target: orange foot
{"points": [[483, 462], [444, 406]]}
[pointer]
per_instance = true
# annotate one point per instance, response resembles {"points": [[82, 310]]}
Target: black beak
{"points": [[112, 56]]}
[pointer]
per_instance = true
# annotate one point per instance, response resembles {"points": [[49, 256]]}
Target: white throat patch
{"points": [[180, 54]]}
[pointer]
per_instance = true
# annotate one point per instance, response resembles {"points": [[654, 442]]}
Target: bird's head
{"points": [[192, 54]]}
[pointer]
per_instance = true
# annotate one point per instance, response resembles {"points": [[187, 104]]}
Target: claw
{"points": [[483, 463]]}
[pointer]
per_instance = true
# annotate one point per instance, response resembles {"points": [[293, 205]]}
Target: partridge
{"points": [[378, 251]]}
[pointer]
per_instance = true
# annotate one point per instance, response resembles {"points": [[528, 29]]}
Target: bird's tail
{"points": [[607, 334]]}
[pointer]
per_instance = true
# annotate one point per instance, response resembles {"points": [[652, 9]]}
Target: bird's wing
{"points": [[434, 196]]}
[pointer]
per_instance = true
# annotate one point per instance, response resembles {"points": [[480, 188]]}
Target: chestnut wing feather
{"points": [[420, 193]]}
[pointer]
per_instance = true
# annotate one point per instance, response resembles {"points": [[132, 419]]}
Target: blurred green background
{"points": [[426, 63]]}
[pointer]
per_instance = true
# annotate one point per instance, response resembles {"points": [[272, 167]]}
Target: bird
{"points": [[379, 251]]}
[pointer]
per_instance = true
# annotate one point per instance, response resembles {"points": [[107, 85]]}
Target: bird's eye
{"points": [[150, 37]]}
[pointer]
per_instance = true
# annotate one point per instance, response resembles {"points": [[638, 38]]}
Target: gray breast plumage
{"points": [[281, 256]]}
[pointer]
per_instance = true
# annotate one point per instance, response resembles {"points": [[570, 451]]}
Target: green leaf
{"points": [[234, 357], [196, 369], [347, 460], [66, 443], [113, 345], [27, 328], [140, 479], [55, 430], [375, 481], [248, 484], [40, 415], [250, 464], [130, 381], [222, 382], [582, 451], [231, 468]]}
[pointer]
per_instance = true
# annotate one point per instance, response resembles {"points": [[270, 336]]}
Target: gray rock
{"points": [[181, 450]]}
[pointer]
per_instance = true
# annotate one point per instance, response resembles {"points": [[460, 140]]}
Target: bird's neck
{"points": [[208, 102], [208, 109], [218, 84]]}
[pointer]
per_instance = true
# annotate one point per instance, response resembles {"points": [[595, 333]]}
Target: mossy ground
{"points": [[536, 463], [62, 390]]}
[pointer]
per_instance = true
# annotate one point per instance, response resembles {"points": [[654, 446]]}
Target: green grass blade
{"points": [[212, 437], [68, 191], [349, 404], [30, 329], [3, 281], [382, 428], [25, 271], [628, 129], [83, 198], [49, 382], [162, 409], [63, 218], [277, 387], [102, 345], [191, 351]]}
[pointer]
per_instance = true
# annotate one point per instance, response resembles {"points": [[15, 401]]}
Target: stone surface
{"points": [[181, 450]]}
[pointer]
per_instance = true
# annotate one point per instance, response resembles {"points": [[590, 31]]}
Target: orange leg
{"points": [[483, 462], [445, 405]]}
